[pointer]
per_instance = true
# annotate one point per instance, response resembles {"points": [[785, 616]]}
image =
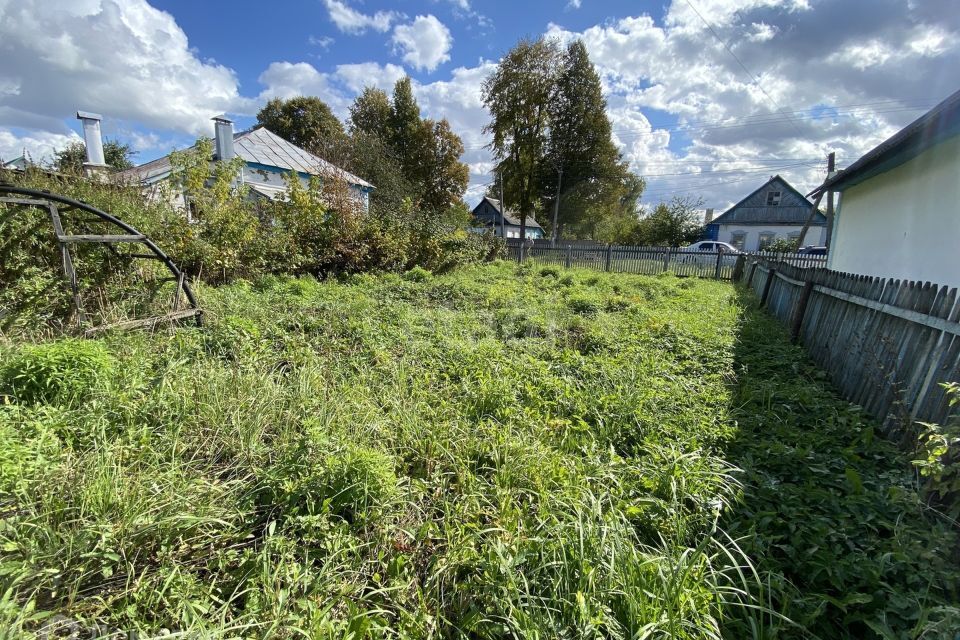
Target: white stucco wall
{"points": [[904, 223], [815, 235]]}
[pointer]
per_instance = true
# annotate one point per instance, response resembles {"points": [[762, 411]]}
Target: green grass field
{"points": [[498, 452]]}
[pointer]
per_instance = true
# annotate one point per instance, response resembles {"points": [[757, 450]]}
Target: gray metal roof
{"points": [[510, 217], [793, 209], [258, 146]]}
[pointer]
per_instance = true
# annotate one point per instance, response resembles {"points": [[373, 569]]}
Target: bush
{"points": [[63, 372], [417, 274]]}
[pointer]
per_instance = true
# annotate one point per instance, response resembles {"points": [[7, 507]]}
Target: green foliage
{"points": [[307, 122], [518, 96], [782, 245], [64, 372], [939, 461], [552, 139], [673, 224], [70, 159], [467, 454]]}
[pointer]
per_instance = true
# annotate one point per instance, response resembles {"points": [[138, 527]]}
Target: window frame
{"points": [[774, 195]]}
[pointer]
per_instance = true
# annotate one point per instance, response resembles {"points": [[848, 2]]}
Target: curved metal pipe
{"points": [[103, 215]]}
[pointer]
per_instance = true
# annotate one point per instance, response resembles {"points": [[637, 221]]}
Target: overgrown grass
{"points": [[495, 452]]}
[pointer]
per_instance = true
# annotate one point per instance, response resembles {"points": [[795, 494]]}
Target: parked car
{"points": [[712, 246], [705, 252], [811, 250]]}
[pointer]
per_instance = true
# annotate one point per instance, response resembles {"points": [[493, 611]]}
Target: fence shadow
{"points": [[829, 511]]}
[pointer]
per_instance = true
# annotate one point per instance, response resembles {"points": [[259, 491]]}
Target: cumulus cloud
{"points": [[357, 76], [122, 58], [39, 146], [424, 43], [349, 20]]}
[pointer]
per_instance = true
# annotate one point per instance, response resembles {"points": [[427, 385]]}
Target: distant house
{"points": [[488, 215], [17, 164], [267, 157], [899, 213], [775, 211]]}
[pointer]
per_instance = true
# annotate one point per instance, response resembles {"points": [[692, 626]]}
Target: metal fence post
{"points": [[609, 256], [569, 256]]}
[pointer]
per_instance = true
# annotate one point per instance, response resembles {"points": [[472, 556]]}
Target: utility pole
{"points": [[556, 207], [831, 168], [503, 211]]}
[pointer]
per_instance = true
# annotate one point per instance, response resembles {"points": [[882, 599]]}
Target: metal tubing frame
{"points": [[43, 199]]}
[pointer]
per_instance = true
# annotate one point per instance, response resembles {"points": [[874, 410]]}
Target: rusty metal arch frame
{"points": [[47, 200]]}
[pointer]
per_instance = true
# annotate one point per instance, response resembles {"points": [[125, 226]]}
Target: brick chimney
{"points": [[223, 137], [95, 162]]}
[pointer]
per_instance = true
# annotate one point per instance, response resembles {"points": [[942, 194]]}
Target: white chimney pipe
{"points": [[91, 140], [223, 137]]}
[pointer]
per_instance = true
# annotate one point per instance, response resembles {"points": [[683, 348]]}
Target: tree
{"points": [[517, 95], [372, 113], [375, 160], [580, 148], [438, 172], [674, 224], [70, 159], [405, 126], [306, 121]]}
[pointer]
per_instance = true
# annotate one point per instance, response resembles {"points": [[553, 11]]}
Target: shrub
{"points": [[583, 304], [417, 274], [62, 372]]}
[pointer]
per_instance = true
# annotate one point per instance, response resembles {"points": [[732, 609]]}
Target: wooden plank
{"points": [[91, 239], [146, 322]]}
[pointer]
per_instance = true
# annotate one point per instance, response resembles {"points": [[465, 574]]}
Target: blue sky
{"points": [[707, 98]]}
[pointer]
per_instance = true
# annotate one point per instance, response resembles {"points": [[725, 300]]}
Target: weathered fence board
{"points": [[888, 345]]}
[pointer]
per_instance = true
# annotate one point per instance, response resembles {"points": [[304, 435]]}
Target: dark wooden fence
{"points": [[887, 344], [645, 260]]}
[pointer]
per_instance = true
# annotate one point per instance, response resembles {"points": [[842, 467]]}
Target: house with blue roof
{"points": [[775, 211]]}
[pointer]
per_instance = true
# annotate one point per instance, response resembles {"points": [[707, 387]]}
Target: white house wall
{"points": [[815, 235], [904, 223]]}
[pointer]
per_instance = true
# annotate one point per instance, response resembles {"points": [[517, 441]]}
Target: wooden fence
{"points": [[646, 260], [887, 344]]}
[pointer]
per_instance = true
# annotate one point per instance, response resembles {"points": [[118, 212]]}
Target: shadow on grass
{"points": [[830, 511]]}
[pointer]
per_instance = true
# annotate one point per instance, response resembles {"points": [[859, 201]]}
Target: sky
{"points": [[707, 98]]}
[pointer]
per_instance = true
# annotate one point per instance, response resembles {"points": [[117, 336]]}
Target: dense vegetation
{"points": [[496, 452], [317, 230]]}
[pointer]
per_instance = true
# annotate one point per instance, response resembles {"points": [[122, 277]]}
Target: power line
{"points": [[742, 66]]}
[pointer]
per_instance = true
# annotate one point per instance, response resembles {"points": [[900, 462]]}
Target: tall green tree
{"points": [[405, 126], [440, 175], [518, 96], [427, 152], [306, 121], [70, 159], [372, 113], [581, 155]]}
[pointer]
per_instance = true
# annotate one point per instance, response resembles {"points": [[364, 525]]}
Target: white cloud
{"points": [[357, 76], [349, 20], [424, 43], [38, 146], [322, 42], [574, 4], [122, 58], [761, 32]]}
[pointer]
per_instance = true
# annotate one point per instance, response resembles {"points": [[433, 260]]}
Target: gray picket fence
{"points": [[646, 260], [887, 344]]}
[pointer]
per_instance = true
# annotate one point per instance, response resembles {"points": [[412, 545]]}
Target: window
{"points": [[766, 239], [706, 246], [773, 198], [738, 239]]}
